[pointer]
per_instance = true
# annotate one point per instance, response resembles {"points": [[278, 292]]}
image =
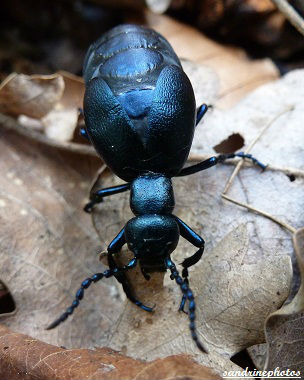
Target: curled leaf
{"points": [[33, 96], [61, 122], [23, 357]]}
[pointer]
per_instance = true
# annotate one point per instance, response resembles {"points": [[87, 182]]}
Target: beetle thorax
{"points": [[152, 194]]}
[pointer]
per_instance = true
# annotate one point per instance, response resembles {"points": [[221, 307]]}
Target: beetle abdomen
{"points": [[139, 105], [128, 57]]}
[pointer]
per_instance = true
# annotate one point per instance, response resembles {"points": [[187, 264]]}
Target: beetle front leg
{"points": [[98, 196], [114, 247], [190, 235]]}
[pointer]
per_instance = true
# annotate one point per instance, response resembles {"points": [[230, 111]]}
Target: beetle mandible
{"points": [[140, 115]]}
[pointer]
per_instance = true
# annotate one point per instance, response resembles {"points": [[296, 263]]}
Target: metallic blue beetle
{"points": [[140, 115]]}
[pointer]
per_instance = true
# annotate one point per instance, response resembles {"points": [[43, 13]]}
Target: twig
{"points": [[291, 14], [239, 164], [263, 213]]}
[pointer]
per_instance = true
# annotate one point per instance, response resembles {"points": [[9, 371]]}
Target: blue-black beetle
{"points": [[140, 115]]}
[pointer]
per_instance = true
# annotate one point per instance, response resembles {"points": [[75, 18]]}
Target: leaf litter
{"points": [[43, 263], [25, 358], [49, 103]]}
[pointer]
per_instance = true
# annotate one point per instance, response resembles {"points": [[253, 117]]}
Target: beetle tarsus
{"points": [[187, 292], [223, 157], [84, 285], [212, 161], [184, 297], [121, 278], [89, 207]]}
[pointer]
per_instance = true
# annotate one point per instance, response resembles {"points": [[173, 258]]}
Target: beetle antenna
{"points": [[84, 285], [189, 295]]}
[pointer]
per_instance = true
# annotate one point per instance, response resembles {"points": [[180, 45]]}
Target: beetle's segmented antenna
{"points": [[84, 285], [189, 295]]}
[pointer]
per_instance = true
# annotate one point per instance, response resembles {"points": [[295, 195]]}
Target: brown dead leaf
{"points": [[238, 74], [60, 123], [48, 245], [279, 146], [38, 108], [284, 329], [43, 274], [33, 96], [23, 357], [73, 90]]}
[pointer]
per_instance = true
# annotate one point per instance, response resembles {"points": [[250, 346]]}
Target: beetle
{"points": [[140, 115]]}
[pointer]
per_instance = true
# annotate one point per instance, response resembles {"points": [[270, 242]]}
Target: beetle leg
{"points": [[200, 112], [224, 157], [98, 196], [190, 235], [84, 133], [121, 278], [187, 292], [84, 285], [212, 161]]}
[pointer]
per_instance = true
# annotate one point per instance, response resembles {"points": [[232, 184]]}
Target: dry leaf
{"points": [[43, 198], [279, 146], [284, 328], [57, 115], [47, 242], [25, 358], [49, 245], [61, 122], [33, 96], [238, 75]]}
